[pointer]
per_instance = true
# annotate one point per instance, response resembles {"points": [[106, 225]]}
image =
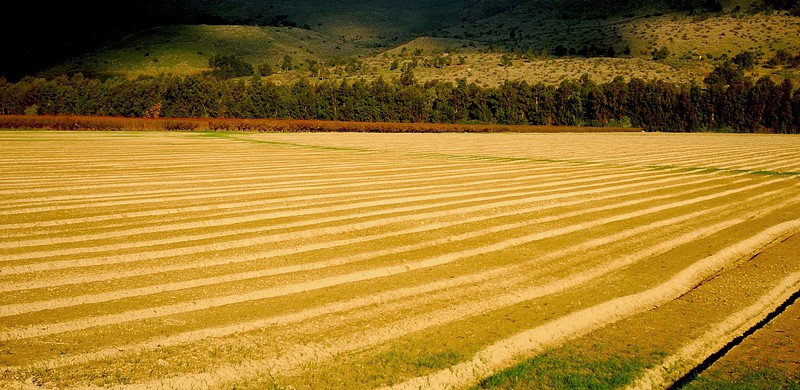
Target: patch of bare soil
{"points": [[771, 354], [674, 338]]}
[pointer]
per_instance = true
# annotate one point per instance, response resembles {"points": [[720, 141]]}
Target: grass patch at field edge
{"points": [[569, 368]]}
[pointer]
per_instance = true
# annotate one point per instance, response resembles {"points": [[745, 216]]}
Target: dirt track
{"points": [[181, 259]]}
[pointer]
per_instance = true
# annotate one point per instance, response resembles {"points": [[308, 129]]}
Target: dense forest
{"points": [[726, 101]]}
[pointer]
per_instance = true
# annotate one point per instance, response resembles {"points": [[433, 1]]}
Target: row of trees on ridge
{"points": [[726, 101]]}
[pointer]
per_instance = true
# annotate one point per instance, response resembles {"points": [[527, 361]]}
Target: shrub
{"points": [[226, 67], [746, 60], [660, 54], [265, 69], [288, 63]]}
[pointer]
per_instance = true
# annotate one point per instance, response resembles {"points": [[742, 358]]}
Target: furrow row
{"points": [[362, 275], [459, 283], [503, 352], [273, 204], [406, 213], [605, 196], [258, 186], [8, 310]]}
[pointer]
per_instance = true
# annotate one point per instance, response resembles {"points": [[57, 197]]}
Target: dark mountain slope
{"points": [[53, 36]]}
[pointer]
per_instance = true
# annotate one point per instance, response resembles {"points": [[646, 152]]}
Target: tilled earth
{"points": [[343, 260]]}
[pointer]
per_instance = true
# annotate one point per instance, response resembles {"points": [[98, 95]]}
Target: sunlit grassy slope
{"points": [[187, 49], [461, 39]]}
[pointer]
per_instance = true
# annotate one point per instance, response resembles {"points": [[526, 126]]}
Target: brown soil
{"points": [[285, 256]]}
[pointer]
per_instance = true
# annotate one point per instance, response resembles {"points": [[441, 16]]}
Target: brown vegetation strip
{"points": [[84, 123]]}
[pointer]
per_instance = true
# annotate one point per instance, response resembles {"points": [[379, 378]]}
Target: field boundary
{"points": [[95, 123]]}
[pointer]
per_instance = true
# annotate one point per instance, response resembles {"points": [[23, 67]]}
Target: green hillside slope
{"points": [[483, 41], [186, 49]]}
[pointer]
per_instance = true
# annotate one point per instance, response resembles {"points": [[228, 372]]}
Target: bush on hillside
{"points": [[226, 67], [660, 54]]}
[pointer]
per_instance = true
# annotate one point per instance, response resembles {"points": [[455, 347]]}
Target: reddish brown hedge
{"points": [[271, 125]]}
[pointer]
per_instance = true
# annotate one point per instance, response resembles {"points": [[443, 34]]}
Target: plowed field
{"points": [[344, 260]]}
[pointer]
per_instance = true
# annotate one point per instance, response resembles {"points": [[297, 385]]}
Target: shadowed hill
{"points": [[180, 36]]}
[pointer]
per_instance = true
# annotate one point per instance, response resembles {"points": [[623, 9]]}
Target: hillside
{"points": [[186, 49], [483, 41]]}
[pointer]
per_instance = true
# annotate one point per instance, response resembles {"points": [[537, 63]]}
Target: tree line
{"points": [[725, 101]]}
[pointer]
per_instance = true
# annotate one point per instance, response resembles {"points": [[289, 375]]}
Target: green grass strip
{"points": [[555, 370]]}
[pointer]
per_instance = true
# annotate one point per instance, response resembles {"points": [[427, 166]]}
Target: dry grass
{"points": [[485, 69], [690, 42]]}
